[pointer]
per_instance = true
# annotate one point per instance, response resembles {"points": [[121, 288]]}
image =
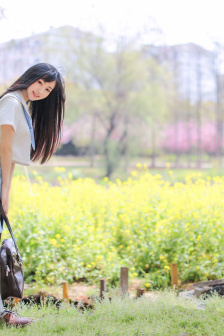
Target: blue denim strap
{"points": [[29, 123]]}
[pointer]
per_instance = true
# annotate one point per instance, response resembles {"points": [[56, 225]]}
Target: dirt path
{"points": [[76, 291]]}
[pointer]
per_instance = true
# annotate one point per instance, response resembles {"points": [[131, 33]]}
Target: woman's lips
{"points": [[35, 95]]}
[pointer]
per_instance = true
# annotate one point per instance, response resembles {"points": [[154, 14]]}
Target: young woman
{"points": [[31, 114]]}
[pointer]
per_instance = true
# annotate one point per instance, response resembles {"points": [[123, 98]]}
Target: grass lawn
{"points": [[161, 314]]}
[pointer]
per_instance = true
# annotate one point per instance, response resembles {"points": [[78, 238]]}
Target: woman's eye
{"points": [[39, 82]]}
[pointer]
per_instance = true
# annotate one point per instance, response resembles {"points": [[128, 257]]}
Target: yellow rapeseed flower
{"points": [[59, 169], [70, 176], [67, 228], [53, 241], [144, 214]]}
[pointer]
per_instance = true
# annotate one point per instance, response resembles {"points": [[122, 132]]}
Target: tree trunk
{"points": [[153, 161], [92, 144], [188, 113], [218, 110], [198, 111], [126, 143], [219, 130], [176, 111]]}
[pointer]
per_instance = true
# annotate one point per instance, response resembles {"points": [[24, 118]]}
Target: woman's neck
{"points": [[25, 95]]}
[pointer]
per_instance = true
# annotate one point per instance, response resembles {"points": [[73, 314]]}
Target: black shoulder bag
{"points": [[12, 273]]}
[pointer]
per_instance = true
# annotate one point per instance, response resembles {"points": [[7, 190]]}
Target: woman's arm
{"points": [[11, 174], [7, 135]]}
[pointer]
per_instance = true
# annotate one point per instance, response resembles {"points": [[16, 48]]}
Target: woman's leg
{"points": [[1, 228], [10, 317], [1, 303]]}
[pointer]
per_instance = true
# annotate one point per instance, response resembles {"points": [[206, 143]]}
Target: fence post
{"points": [[140, 292], [124, 279], [102, 287], [42, 296], [15, 302], [174, 276], [65, 291]]}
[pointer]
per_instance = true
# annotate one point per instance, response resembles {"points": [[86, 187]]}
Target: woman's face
{"points": [[39, 90]]}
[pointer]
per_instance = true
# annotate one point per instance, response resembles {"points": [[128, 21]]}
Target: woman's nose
{"points": [[41, 90]]}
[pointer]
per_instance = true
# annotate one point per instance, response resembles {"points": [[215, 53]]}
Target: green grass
{"points": [[79, 168], [164, 314]]}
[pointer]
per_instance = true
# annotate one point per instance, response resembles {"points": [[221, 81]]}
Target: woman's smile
{"points": [[35, 95]]}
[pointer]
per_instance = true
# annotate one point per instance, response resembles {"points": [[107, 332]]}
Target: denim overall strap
{"points": [[29, 122], [1, 219]]}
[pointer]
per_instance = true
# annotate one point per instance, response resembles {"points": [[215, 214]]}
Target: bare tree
{"points": [[188, 107], [198, 107], [218, 111], [176, 106]]}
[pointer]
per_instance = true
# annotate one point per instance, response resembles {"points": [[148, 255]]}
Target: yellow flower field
{"points": [[83, 230]]}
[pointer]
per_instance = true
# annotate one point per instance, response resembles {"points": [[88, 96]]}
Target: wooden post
{"points": [[140, 292], [15, 302], [102, 288], [65, 291], [174, 276], [124, 279], [42, 296]]}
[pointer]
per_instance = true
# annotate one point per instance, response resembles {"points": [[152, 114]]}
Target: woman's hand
{"points": [[5, 199]]}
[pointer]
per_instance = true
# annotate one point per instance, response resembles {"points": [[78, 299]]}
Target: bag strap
{"points": [[5, 218], [29, 123]]}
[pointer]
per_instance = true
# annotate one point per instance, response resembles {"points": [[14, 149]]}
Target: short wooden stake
{"points": [[15, 302], [65, 291], [124, 279], [174, 276], [102, 288], [140, 292], [42, 295]]}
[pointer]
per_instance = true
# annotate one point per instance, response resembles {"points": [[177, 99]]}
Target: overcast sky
{"points": [[181, 21]]}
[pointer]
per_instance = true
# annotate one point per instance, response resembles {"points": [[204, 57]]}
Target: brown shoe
{"points": [[13, 319]]}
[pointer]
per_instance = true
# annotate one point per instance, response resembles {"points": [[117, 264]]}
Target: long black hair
{"points": [[48, 113]]}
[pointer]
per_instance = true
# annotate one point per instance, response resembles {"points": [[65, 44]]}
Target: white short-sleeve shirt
{"points": [[11, 113]]}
